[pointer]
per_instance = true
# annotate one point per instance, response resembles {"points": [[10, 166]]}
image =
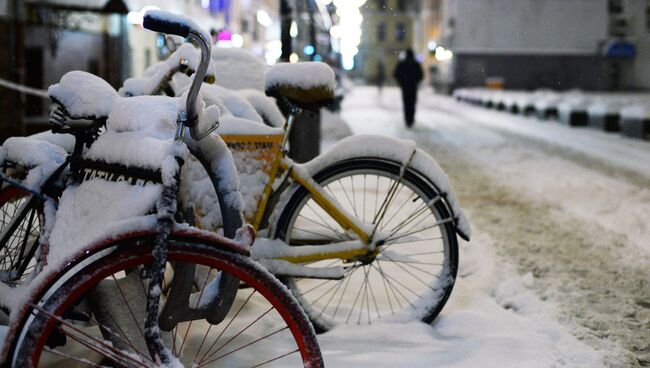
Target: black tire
{"points": [[425, 300], [53, 330]]}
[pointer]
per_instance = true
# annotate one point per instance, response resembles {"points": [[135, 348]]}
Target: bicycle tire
{"points": [[421, 299], [43, 323], [16, 254]]}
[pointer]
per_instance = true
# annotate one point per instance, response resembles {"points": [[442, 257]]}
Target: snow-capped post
{"points": [[309, 86]]}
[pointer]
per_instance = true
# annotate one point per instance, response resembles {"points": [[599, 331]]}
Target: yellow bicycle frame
{"points": [[283, 165]]}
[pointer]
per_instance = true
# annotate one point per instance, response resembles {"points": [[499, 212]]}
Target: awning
{"points": [[94, 6]]}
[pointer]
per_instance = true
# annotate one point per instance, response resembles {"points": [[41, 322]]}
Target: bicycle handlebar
{"points": [[164, 22]]}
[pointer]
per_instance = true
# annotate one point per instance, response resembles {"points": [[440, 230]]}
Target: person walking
{"points": [[408, 74], [380, 77]]}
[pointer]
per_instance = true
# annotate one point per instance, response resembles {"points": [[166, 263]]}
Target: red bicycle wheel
{"points": [[94, 313]]}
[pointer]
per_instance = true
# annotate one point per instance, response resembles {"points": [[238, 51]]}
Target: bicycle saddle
{"points": [[83, 97], [308, 85]]}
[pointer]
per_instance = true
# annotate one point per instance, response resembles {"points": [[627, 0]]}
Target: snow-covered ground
{"points": [[557, 271]]}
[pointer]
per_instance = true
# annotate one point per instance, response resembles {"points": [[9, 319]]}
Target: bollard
{"points": [[304, 139]]}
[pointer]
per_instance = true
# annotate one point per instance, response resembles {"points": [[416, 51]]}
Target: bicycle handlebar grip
{"points": [[165, 22]]}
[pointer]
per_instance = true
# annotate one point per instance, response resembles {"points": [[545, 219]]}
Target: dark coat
{"points": [[408, 72]]}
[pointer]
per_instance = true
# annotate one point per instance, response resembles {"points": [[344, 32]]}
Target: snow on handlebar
{"points": [[161, 21]]}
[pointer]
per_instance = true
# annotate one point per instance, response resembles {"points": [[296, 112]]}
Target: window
{"points": [[400, 32], [381, 5], [401, 5], [381, 31], [615, 6]]}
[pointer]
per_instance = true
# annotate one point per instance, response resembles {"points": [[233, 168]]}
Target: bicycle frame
{"points": [[282, 164]]}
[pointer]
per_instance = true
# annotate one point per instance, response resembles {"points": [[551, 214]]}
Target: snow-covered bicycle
{"points": [[365, 231], [118, 243], [371, 225]]}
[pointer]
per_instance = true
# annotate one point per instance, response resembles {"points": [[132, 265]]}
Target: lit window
{"points": [[400, 32]]}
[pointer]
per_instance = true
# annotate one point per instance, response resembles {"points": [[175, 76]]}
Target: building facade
{"points": [[388, 29], [554, 44]]}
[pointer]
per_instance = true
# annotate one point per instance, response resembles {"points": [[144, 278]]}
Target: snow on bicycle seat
{"points": [[83, 96], [309, 85], [140, 131]]}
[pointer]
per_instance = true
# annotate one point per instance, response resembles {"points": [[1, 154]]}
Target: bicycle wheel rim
{"points": [[14, 253], [261, 282], [325, 309]]}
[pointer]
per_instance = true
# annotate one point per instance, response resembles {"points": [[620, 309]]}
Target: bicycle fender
{"points": [[400, 151]]}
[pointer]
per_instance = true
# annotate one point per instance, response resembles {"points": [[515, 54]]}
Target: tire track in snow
{"points": [[600, 282]]}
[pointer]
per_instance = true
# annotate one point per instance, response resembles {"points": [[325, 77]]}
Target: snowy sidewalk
{"points": [[493, 318]]}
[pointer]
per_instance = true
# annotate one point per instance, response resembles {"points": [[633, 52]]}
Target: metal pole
{"points": [[285, 29], [312, 28]]}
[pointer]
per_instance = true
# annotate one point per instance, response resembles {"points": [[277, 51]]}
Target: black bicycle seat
{"points": [[308, 85]]}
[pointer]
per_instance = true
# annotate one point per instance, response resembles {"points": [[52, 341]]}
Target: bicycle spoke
{"points": [[228, 325], [78, 360], [246, 345], [392, 280], [437, 224], [347, 197], [275, 359], [412, 265], [96, 345], [239, 333], [372, 293], [392, 287], [387, 244], [128, 306]]}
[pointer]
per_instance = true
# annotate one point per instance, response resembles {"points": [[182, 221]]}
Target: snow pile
{"points": [[636, 112], [231, 125], [140, 132], [42, 158], [265, 106], [83, 95], [65, 141], [230, 101], [573, 103], [154, 76], [97, 209], [603, 107], [304, 75], [238, 69]]}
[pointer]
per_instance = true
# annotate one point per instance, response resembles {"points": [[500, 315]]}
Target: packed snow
{"points": [[84, 95], [238, 69], [153, 77], [559, 248], [303, 75]]}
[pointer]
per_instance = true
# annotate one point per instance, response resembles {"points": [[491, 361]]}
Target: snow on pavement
{"points": [[564, 217], [494, 318], [473, 329]]}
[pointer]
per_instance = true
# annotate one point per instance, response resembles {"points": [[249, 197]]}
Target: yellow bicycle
{"points": [[366, 231]]}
